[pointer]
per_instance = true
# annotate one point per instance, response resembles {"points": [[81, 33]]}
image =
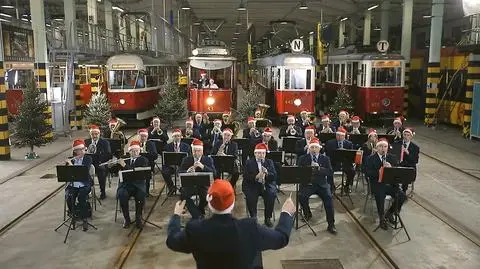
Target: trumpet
{"points": [[115, 161], [188, 132], [254, 132], [216, 130], [157, 131], [291, 130], [355, 131], [327, 130]]}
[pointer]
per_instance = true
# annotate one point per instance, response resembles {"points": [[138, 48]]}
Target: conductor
{"points": [[240, 239]]}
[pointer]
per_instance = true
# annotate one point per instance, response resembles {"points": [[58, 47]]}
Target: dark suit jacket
{"points": [[232, 148], [374, 163], [163, 137], [187, 162], [152, 153], [283, 131], [319, 129], [251, 170], [138, 183], [222, 241], [87, 161], [300, 147], [319, 176], [184, 147], [272, 144], [103, 153], [411, 159], [362, 129], [331, 146], [200, 127], [196, 133]]}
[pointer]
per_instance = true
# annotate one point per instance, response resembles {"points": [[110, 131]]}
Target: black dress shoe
{"points": [[138, 223], [268, 223], [391, 219], [103, 196], [85, 225], [383, 225], [331, 229], [126, 224]]}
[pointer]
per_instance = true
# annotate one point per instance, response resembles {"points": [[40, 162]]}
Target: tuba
{"points": [[262, 108], [115, 133]]}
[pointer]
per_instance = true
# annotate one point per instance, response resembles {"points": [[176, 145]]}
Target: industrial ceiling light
{"points": [[372, 7], [5, 15], [185, 5], [283, 22], [238, 23], [344, 19], [311, 33], [117, 8], [197, 23], [303, 5], [241, 7], [377, 29], [427, 16], [8, 6], [4, 20]]}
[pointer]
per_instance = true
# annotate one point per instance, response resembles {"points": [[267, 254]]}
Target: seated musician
{"points": [[251, 131], [135, 188], [321, 170], [78, 191], [326, 128], [100, 150], [199, 125], [155, 132], [213, 135], [330, 149], [227, 147], [148, 148], [225, 118], [409, 152], [290, 129], [113, 132], [259, 180], [356, 128], [342, 118], [396, 129], [189, 131], [175, 146], [196, 163], [369, 147], [380, 190], [301, 147], [267, 139]]}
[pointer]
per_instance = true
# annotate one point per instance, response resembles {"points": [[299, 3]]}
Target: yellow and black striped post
{"points": [[95, 78], [473, 75], [41, 80], [76, 117], [4, 135], [407, 86], [431, 96]]}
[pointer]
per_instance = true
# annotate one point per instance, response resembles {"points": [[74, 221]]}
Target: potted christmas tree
{"points": [[98, 111], [171, 104], [249, 103], [30, 123], [343, 101]]}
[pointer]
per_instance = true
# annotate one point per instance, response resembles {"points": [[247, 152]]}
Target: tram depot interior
{"points": [[413, 62]]}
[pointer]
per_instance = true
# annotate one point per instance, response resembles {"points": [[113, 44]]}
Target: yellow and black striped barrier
{"points": [[473, 75], [4, 135], [95, 78], [76, 116], [405, 93], [41, 79], [431, 96]]}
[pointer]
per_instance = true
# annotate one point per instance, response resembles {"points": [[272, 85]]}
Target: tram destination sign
{"points": [[210, 51], [297, 45]]}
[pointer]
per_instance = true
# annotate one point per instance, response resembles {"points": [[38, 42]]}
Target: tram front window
{"points": [[126, 79], [386, 76], [211, 79], [298, 79]]}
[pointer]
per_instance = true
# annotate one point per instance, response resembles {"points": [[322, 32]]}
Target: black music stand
{"points": [[289, 146], [396, 176], [134, 175], [196, 180], [297, 175], [278, 158], [358, 139], [68, 174], [187, 141], [345, 157], [390, 138], [160, 147], [243, 144], [225, 163], [262, 123], [173, 159], [324, 137]]}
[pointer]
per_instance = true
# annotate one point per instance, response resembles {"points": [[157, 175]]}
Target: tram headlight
{"points": [[297, 102], [121, 101], [210, 101]]}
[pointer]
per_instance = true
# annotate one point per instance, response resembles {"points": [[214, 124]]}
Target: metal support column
{"points": [[4, 134], [92, 24], [385, 19], [473, 76], [367, 28], [341, 35], [107, 5], [406, 47]]}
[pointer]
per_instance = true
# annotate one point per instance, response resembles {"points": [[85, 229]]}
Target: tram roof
{"points": [[287, 59], [140, 61]]}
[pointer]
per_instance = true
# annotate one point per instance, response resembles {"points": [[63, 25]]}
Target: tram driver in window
{"points": [[212, 84], [203, 82]]}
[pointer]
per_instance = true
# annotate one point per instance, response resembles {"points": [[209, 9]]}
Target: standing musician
{"points": [[227, 147], [259, 180], [369, 147], [196, 163], [135, 188], [148, 147], [301, 147], [100, 150], [342, 119], [380, 190], [212, 136], [331, 147], [325, 128], [290, 129], [268, 140], [409, 153], [356, 128], [321, 170], [175, 146], [397, 129], [189, 131], [79, 190], [156, 132], [303, 121], [199, 125]]}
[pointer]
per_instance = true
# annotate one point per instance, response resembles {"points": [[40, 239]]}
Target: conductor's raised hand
{"points": [[180, 208], [289, 207]]}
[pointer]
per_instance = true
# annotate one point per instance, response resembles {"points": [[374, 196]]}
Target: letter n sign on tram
{"points": [[297, 45], [382, 46]]}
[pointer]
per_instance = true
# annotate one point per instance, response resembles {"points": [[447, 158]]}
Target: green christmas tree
{"points": [[343, 101], [29, 124], [98, 110], [249, 103], [171, 104]]}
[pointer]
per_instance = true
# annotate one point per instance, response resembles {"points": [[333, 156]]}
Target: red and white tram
{"points": [[17, 77], [290, 82], [134, 83], [375, 81], [212, 78]]}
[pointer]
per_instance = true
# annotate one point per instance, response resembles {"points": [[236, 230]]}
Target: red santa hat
{"points": [[78, 144], [197, 144], [325, 118], [261, 147], [382, 141], [135, 144], [226, 113], [341, 131], [221, 197], [198, 114], [94, 128], [372, 132], [303, 112], [356, 119], [291, 117], [112, 121], [156, 119], [310, 129], [189, 120], [228, 130], [399, 120], [251, 119], [314, 142], [343, 112], [202, 72], [177, 132], [268, 131], [217, 121], [142, 131], [409, 130]]}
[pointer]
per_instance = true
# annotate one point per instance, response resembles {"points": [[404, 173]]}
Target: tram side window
{"points": [[152, 76], [295, 79], [309, 79], [363, 75], [386, 76], [161, 75], [336, 73], [330, 73], [342, 74], [349, 74]]}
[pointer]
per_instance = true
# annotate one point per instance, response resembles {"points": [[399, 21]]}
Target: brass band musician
{"points": [[267, 139], [369, 147], [189, 131], [397, 129], [326, 128], [304, 120], [227, 147], [356, 128], [301, 147], [251, 131], [114, 132], [199, 125], [156, 132], [290, 129], [175, 146], [213, 135], [149, 150], [342, 120], [100, 151]]}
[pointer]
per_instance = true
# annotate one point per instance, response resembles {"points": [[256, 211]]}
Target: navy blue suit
{"points": [[319, 185], [151, 155], [283, 131], [253, 189], [230, 149], [222, 241], [330, 148], [195, 133], [102, 154], [168, 171], [81, 194], [410, 159], [188, 192]]}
